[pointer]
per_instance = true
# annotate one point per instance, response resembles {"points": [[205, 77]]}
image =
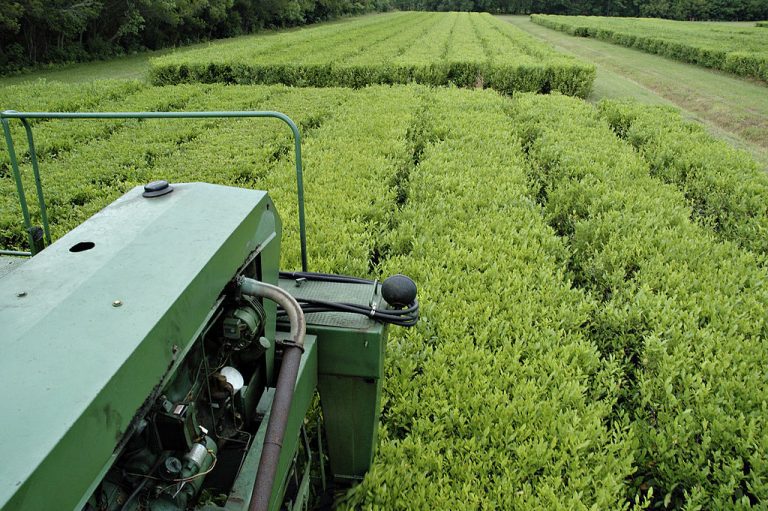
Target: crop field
{"points": [[463, 49], [593, 278], [742, 50]]}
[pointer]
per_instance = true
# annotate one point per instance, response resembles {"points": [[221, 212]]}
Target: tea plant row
{"points": [[726, 188], [682, 311], [463, 49], [498, 400], [738, 50], [593, 291]]}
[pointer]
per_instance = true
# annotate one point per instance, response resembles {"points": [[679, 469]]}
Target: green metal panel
{"points": [[8, 264], [86, 336], [351, 367], [351, 344], [351, 408]]}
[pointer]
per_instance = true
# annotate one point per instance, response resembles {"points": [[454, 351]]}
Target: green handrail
{"points": [[24, 116]]}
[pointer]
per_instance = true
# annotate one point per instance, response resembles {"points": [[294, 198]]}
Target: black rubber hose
{"points": [[400, 317], [323, 277]]}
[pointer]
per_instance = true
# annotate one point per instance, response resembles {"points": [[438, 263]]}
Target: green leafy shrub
{"points": [[496, 400], [727, 189], [684, 312], [737, 50], [463, 49]]}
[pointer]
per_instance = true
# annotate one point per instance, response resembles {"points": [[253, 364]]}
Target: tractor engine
{"points": [[143, 354]]}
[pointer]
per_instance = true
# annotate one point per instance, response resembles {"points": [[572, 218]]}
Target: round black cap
{"points": [[398, 290], [172, 466], [157, 188]]}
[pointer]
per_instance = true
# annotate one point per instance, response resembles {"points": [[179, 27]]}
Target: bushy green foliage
{"points": [[587, 342], [685, 312], [737, 10], [466, 50], [739, 50], [496, 400], [727, 190], [763, 24]]}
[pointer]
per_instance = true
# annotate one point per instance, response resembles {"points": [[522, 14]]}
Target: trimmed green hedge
{"points": [[727, 189], [684, 312], [568, 78], [462, 49], [742, 51], [587, 341], [497, 400], [762, 24]]}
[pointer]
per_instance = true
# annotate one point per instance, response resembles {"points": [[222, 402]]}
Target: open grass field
{"points": [[735, 49], [592, 275], [463, 49]]}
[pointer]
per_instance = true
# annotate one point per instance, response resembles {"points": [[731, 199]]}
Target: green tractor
{"points": [[156, 358]]}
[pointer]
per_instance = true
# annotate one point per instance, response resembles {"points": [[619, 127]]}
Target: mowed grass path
{"points": [[733, 108]]}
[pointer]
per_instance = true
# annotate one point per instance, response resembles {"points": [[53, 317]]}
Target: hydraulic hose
{"points": [[284, 389]]}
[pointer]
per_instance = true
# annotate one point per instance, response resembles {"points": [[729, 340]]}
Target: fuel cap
{"points": [[157, 188]]}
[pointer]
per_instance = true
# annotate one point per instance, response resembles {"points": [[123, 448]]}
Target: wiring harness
{"points": [[398, 291]]}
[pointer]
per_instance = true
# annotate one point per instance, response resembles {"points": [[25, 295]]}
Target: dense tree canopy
{"points": [[35, 31]]}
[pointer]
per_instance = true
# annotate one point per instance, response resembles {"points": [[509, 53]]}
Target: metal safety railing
{"points": [[24, 117]]}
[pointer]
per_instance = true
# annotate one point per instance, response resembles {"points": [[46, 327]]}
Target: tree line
{"points": [[731, 10], [45, 31]]}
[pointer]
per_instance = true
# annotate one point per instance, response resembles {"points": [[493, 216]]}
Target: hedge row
{"points": [[762, 24], [351, 163], [496, 400], [741, 51], [684, 312], [93, 171], [367, 155], [50, 137], [571, 79], [584, 344], [88, 172], [463, 49], [727, 189]]}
